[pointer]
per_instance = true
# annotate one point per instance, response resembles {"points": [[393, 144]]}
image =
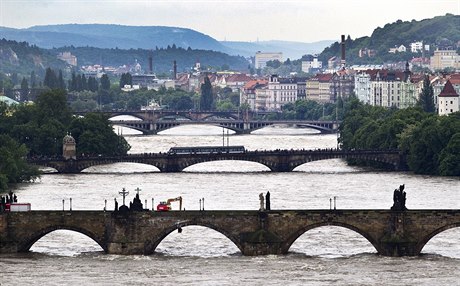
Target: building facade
{"points": [[262, 58], [445, 59]]}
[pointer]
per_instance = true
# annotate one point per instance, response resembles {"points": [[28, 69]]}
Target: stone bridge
{"points": [[239, 126], [392, 233], [154, 121], [276, 161]]}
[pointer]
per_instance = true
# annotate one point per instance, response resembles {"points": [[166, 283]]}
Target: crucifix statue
{"points": [[124, 193]]}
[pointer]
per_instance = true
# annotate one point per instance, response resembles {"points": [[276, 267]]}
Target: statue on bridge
{"points": [[261, 199], [399, 199]]}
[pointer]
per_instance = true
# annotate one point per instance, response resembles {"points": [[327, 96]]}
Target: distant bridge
{"points": [[276, 160], [392, 233], [154, 121]]}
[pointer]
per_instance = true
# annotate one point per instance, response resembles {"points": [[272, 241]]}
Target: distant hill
{"points": [[292, 50], [111, 36], [441, 31], [147, 37]]}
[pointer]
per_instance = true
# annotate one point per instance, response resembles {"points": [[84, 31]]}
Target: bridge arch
{"points": [[230, 166], [153, 244], [421, 244], [34, 237], [294, 236]]}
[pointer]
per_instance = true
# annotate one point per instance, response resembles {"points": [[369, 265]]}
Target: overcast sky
{"points": [[232, 20]]}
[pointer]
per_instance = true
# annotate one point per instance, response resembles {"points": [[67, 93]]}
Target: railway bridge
{"points": [[392, 233], [275, 160]]}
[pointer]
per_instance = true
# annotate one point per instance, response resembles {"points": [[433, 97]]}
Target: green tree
{"points": [[94, 135], [33, 79], [449, 160], [207, 99], [13, 166], [60, 81], [426, 97], [24, 89], [51, 79], [105, 82]]}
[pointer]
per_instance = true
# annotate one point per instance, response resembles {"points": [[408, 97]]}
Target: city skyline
{"points": [[238, 20]]}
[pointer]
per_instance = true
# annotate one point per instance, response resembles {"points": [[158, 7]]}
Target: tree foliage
{"points": [[13, 166], [207, 98], [430, 142], [426, 100], [37, 130]]}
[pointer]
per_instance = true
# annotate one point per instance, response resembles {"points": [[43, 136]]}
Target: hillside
{"points": [[111, 36], [291, 50], [22, 58], [148, 37], [162, 58], [439, 31]]}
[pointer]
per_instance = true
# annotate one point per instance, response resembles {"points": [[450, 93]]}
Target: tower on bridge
{"points": [[69, 150]]}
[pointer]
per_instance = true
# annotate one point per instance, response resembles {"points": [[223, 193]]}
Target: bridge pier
{"points": [[397, 241]]}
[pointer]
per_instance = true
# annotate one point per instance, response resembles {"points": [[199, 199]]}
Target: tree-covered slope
{"points": [[22, 58], [441, 31]]}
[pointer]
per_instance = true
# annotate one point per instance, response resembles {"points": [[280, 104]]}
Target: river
{"points": [[201, 256]]}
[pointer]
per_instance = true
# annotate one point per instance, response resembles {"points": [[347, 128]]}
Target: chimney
{"points": [[342, 46], [150, 64], [175, 70]]}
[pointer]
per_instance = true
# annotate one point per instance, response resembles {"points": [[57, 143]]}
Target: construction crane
{"points": [[166, 206]]}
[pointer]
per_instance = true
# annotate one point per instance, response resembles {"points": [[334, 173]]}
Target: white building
{"points": [[281, 91], [448, 100], [68, 58], [363, 87], [416, 47], [262, 58], [311, 63]]}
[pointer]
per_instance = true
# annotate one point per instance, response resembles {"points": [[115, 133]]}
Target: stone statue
{"points": [[399, 199], [261, 199]]}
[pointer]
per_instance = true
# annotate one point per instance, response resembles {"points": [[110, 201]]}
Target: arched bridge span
{"points": [[276, 161], [392, 233]]}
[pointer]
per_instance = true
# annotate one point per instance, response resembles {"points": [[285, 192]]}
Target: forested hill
{"points": [[162, 58], [22, 58], [112, 36], [441, 31]]}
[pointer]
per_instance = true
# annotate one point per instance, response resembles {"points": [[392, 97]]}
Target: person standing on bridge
{"points": [[267, 201]]}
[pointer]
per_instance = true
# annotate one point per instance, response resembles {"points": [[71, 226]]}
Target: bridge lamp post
{"points": [[200, 204], [330, 203], [335, 198], [152, 204], [63, 201], [70, 204], [105, 205]]}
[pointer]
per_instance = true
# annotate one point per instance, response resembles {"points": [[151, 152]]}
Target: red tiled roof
{"points": [[324, 77], [448, 90], [455, 78], [238, 78]]}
